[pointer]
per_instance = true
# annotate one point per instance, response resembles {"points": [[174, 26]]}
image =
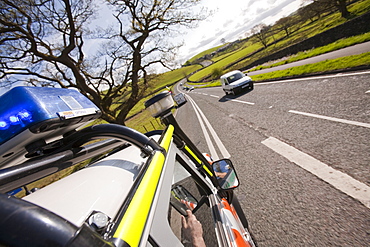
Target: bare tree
{"points": [[285, 24], [341, 5], [312, 11], [144, 28], [261, 32], [42, 43], [37, 35], [318, 7]]}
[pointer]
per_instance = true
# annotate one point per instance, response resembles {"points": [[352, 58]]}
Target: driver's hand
{"points": [[192, 229]]}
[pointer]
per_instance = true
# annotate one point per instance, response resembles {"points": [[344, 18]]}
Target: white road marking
{"points": [[366, 125], [315, 78], [212, 149], [220, 145], [367, 91], [339, 180], [234, 100], [240, 101]]}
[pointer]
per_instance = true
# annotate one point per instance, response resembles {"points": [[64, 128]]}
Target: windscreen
{"points": [[234, 77]]}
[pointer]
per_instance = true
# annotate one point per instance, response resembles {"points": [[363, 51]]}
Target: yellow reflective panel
{"points": [[207, 170], [132, 225], [165, 143], [192, 154]]}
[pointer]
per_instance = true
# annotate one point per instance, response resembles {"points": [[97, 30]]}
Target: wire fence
{"points": [[154, 124]]}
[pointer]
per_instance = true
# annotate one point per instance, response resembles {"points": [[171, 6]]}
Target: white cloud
{"points": [[232, 20]]}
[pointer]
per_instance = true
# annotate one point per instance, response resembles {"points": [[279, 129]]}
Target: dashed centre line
{"points": [[366, 125], [240, 101], [337, 179], [234, 100]]}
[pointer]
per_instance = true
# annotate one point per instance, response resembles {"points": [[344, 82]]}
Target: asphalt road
{"points": [[324, 122], [348, 51]]}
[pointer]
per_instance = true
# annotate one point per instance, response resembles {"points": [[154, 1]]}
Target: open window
{"points": [[188, 193]]}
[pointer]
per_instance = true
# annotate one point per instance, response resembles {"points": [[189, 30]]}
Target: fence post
{"points": [[152, 125], [159, 123]]}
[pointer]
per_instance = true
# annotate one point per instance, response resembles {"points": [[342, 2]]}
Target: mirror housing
{"points": [[225, 173], [160, 104]]}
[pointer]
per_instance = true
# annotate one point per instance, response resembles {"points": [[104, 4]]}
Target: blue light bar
{"points": [[42, 109]]}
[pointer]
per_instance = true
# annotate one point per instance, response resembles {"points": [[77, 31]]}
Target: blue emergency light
{"points": [[41, 110]]}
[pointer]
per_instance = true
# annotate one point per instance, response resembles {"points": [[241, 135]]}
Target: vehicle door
{"points": [[183, 187], [225, 84]]}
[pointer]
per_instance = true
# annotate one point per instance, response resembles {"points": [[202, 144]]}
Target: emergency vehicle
{"points": [[132, 192]]}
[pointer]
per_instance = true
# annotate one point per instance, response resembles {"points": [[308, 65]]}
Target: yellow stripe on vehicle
{"points": [[207, 170], [198, 160], [192, 154], [132, 225], [165, 143]]}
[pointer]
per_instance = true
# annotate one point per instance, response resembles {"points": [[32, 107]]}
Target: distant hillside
{"points": [[295, 30], [241, 54]]}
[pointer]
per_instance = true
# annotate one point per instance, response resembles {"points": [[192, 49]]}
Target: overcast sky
{"points": [[232, 20]]}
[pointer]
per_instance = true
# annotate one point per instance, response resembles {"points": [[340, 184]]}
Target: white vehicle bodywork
{"points": [[134, 191], [235, 81], [103, 187]]}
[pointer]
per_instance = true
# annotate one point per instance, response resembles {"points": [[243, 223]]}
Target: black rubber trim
{"points": [[113, 131], [25, 224]]}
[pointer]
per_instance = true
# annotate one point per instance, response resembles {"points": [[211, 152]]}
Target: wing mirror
{"points": [[225, 173], [182, 200]]}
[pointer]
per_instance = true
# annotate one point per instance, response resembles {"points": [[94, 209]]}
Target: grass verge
{"points": [[342, 43], [324, 66]]}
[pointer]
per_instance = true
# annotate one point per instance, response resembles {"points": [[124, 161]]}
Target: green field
{"points": [[242, 57], [324, 66], [339, 44]]}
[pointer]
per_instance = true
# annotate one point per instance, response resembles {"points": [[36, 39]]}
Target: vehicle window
{"points": [[187, 194], [234, 77]]}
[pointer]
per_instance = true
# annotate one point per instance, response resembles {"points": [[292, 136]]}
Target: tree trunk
{"points": [[342, 7], [134, 96]]}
